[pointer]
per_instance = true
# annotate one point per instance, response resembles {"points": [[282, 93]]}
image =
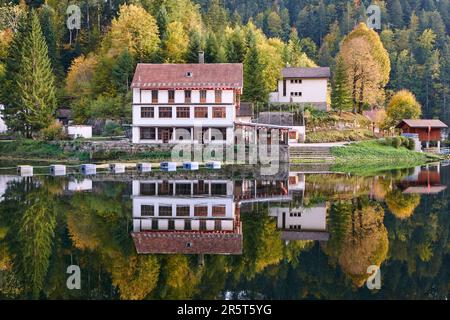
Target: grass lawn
{"points": [[369, 157], [339, 136]]}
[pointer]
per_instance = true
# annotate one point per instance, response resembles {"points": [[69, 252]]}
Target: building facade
{"points": [[303, 85], [193, 103]]}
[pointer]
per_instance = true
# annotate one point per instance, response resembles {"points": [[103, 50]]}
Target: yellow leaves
{"points": [[134, 29], [402, 205], [135, 276], [403, 105], [80, 75], [367, 63], [176, 44]]}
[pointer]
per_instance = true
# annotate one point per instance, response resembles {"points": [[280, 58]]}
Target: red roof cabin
{"points": [[427, 130]]}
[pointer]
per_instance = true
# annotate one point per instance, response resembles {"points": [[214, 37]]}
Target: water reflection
{"points": [[292, 236]]}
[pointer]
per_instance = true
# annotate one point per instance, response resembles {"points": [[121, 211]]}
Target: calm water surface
{"points": [[298, 236]]}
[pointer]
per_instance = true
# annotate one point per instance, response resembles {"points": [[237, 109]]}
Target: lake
{"points": [[225, 235]]}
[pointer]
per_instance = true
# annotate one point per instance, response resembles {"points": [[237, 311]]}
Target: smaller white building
{"points": [[80, 131], [303, 85], [3, 127]]}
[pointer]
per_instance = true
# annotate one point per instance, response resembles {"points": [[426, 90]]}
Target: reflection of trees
{"points": [[402, 205], [361, 241]]}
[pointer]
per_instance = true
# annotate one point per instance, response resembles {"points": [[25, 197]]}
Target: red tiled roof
{"points": [[188, 243], [423, 123], [202, 75], [317, 73]]}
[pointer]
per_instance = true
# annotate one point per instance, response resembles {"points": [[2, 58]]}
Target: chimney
{"points": [[201, 57]]}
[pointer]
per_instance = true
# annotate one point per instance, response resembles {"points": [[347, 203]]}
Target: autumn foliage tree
{"points": [[403, 105], [368, 67]]}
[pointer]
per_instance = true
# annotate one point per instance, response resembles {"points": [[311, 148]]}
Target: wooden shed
{"points": [[428, 130]]}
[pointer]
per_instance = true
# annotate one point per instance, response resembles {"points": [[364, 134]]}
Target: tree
{"points": [[136, 30], [195, 46], [254, 87], [36, 82], [403, 105], [80, 76], [368, 66], [235, 45], [340, 96], [176, 43], [123, 71], [13, 114]]}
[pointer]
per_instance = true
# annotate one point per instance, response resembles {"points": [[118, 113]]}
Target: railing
{"points": [[445, 150]]}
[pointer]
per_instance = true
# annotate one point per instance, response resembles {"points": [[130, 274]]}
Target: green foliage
{"points": [[254, 86], [53, 132], [36, 80], [341, 99], [339, 136]]}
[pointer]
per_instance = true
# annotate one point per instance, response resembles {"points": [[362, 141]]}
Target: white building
{"points": [[170, 100], [2, 122], [303, 85], [302, 223]]}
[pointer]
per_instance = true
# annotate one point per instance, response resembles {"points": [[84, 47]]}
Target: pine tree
{"points": [[341, 98], [13, 115], [122, 72], [254, 86], [396, 14], [195, 45], [46, 18], [36, 81], [212, 48]]}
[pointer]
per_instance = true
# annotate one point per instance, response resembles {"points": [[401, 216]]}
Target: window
{"points": [[284, 88], [218, 211], [201, 112], [296, 94], [183, 189], [296, 81], [148, 189], [147, 211], [165, 211], [202, 96], [182, 211], [202, 225], [171, 96], [165, 112], [148, 133], [219, 189], [189, 74], [218, 95], [155, 96], [218, 225], [171, 225], [165, 189], [201, 211], [187, 96], [147, 112], [183, 112], [219, 112]]}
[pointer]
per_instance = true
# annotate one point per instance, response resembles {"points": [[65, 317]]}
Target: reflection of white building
{"points": [[302, 223], [80, 185], [2, 122], [4, 180], [190, 217]]}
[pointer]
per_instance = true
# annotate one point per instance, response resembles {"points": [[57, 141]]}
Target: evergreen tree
{"points": [[37, 91], [341, 99], [13, 115], [195, 45], [122, 72], [254, 85], [212, 49], [395, 13], [47, 17], [236, 46]]}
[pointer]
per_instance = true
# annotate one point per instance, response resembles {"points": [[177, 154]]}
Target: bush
{"points": [[397, 142], [411, 144], [112, 129], [53, 132]]}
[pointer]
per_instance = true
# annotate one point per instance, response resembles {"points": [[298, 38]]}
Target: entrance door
{"points": [[165, 134]]}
